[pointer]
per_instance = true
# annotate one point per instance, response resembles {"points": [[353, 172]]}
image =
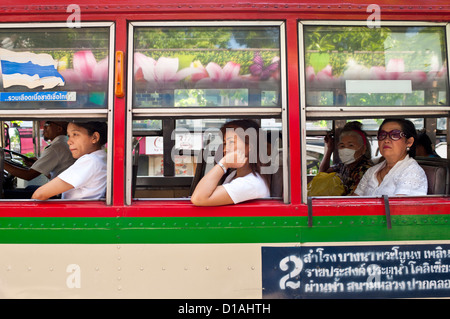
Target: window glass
{"points": [[209, 66], [51, 68], [166, 162], [387, 66]]}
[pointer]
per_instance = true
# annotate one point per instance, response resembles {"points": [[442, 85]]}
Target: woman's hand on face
{"points": [[234, 159]]}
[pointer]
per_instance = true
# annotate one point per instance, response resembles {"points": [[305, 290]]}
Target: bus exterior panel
{"points": [[288, 247]]}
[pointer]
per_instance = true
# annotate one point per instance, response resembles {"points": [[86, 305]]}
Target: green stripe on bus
{"points": [[159, 230]]}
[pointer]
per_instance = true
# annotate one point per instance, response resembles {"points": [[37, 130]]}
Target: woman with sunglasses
{"points": [[399, 173]]}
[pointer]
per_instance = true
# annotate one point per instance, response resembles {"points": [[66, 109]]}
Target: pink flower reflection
{"points": [[86, 68], [164, 70], [324, 76], [229, 72]]}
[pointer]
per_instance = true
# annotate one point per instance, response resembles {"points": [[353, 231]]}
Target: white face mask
{"points": [[347, 155]]}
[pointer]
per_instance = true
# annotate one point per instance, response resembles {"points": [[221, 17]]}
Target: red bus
{"points": [[165, 76]]}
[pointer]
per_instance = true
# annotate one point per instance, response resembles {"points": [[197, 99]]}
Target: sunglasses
{"points": [[394, 135]]}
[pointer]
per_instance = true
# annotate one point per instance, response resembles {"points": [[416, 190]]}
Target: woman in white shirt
{"points": [[86, 178], [242, 154], [399, 173]]}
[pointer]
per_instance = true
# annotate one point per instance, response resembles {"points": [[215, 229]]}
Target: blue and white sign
{"points": [[37, 96], [378, 271], [29, 69]]}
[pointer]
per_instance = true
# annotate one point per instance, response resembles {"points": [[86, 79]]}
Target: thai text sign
{"points": [[372, 271], [37, 96]]}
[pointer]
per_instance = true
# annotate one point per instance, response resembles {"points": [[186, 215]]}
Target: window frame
{"points": [[200, 112], [347, 112], [86, 113]]}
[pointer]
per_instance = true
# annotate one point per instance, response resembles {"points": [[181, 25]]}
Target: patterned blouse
{"points": [[351, 174]]}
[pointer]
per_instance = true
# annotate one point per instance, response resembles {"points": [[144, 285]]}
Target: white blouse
{"points": [[405, 178], [88, 177], [245, 188]]}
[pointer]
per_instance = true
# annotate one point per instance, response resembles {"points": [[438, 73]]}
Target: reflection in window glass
{"points": [[206, 66], [388, 66], [54, 68]]}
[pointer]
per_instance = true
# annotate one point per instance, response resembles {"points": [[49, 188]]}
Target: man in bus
{"points": [[55, 158]]}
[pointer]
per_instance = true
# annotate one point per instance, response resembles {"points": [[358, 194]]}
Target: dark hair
{"points": [[242, 130], [409, 129], [424, 140], [95, 126]]}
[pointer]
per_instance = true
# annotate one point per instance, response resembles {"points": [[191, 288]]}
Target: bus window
{"points": [[26, 169], [388, 66], [434, 162], [206, 66], [356, 73], [49, 74], [72, 76], [188, 79], [168, 161]]}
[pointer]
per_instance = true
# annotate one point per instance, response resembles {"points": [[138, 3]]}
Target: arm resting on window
{"points": [[52, 188]]}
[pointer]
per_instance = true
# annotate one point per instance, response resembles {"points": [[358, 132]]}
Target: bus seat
{"points": [[135, 161], [437, 175], [276, 179], [2, 167], [200, 169]]}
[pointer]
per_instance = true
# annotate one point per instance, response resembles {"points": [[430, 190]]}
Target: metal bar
{"points": [[310, 212], [387, 210], [169, 145], [57, 113], [183, 112]]}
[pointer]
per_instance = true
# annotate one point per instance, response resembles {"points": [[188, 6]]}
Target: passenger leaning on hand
{"points": [[241, 155]]}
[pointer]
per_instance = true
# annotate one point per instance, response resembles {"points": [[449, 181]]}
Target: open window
{"points": [[353, 72], [188, 79]]}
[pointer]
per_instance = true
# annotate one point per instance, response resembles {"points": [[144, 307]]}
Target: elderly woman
{"points": [[355, 154], [399, 173]]}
